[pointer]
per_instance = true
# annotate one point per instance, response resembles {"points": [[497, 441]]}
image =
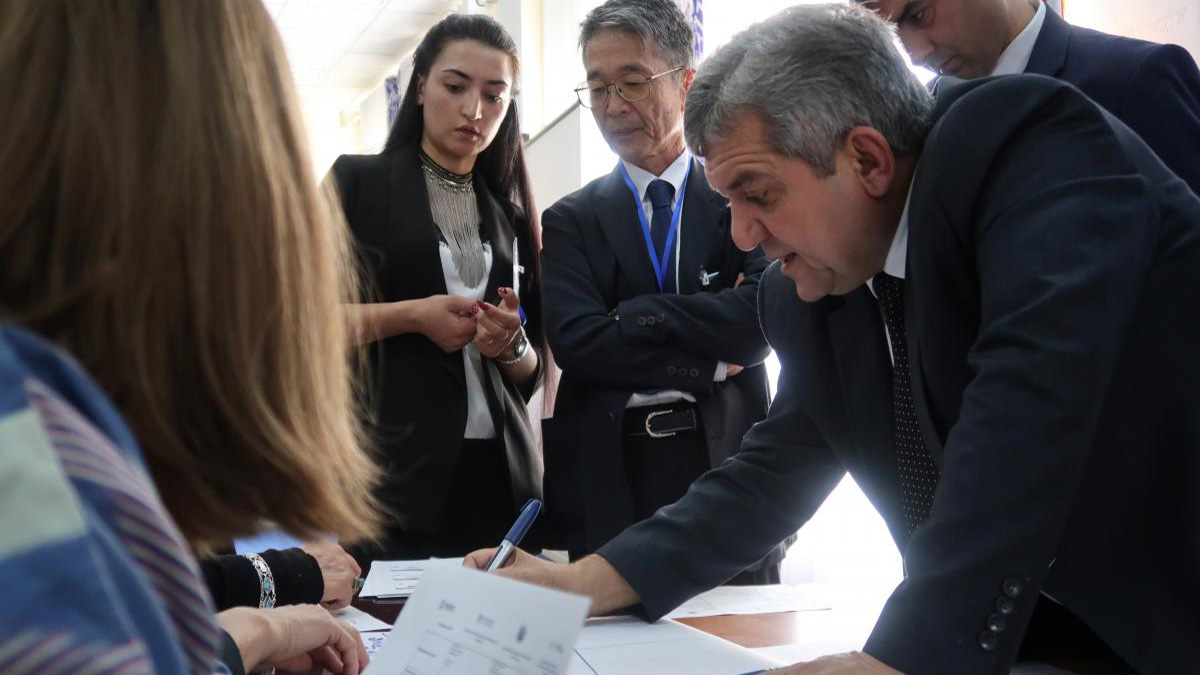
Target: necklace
{"points": [[456, 213]]}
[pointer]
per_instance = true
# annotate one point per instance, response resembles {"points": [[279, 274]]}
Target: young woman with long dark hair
{"points": [[446, 228]]}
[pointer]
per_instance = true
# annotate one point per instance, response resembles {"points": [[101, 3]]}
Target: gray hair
{"points": [[813, 72], [659, 24]]}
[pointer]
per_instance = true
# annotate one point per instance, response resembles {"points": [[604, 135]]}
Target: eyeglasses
{"points": [[633, 87]]}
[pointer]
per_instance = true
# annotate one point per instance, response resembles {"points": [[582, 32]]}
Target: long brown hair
{"points": [[159, 218]]}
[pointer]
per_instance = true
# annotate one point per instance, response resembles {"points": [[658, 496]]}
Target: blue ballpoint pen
{"points": [[515, 534]]}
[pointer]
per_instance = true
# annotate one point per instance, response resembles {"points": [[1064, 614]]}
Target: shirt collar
{"points": [[1015, 57], [673, 174]]}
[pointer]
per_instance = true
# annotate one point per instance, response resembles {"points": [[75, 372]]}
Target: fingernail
{"points": [[504, 291]]}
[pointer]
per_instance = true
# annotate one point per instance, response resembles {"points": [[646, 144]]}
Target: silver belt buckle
{"points": [[657, 434]]}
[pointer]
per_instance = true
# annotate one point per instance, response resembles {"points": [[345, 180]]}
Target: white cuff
{"points": [[721, 372]]}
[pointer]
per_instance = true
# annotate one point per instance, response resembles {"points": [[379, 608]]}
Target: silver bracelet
{"points": [[266, 580]]}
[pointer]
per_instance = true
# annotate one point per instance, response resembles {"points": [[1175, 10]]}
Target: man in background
{"points": [[650, 306], [1153, 88]]}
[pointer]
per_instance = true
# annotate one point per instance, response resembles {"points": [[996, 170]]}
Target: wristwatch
{"points": [[519, 348]]}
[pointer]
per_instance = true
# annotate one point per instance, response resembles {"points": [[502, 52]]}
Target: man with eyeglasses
{"points": [[650, 307]]}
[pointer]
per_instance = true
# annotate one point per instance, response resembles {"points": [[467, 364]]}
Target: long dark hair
{"points": [[502, 162]]}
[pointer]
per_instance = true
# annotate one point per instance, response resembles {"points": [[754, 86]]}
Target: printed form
{"points": [[464, 622]]}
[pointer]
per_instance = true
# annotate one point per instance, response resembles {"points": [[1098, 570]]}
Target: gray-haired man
{"points": [[1010, 373], [642, 299]]}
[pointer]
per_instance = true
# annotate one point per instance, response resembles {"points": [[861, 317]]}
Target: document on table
{"points": [[621, 645], [360, 620], [464, 622], [755, 600], [398, 578]]}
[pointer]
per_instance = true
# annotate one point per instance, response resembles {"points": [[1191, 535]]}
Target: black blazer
{"points": [[1052, 262], [418, 391], [613, 333], [1153, 88]]}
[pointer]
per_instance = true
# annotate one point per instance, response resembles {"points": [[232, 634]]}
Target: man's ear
{"points": [[871, 159]]}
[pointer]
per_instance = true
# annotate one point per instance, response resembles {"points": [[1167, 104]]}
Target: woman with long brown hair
{"points": [[445, 224], [171, 290]]}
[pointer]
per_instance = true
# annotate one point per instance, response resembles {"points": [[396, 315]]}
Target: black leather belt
{"points": [[661, 421]]}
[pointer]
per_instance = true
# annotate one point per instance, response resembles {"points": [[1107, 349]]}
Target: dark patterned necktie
{"points": [[918, 473]]}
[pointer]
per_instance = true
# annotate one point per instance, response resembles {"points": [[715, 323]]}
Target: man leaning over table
{"points": [[976, 302]]}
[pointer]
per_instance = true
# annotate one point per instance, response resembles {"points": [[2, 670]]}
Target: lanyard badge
{"points": [[659, 264]]}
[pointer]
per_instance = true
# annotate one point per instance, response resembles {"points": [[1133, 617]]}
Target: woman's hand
{"points": [[294, 639], [447, 320], [497, 326], [339, 570]]}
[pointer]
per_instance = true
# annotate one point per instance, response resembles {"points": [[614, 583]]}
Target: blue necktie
{"points": [[661, 193]]}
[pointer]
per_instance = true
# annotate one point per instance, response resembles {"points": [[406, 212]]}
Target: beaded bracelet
{"points": [[266, 580]]}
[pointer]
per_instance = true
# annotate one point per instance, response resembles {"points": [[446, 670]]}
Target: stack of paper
{"points": [[630, 646], [465, 622], [398, 578], [755, 600]]}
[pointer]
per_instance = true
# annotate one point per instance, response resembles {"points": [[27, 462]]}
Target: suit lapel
{"points": [[1050, 48], [415, 244], [701, 222], [411, 228], [864, 369], [502, 242], [929, 431], [616, 212]]}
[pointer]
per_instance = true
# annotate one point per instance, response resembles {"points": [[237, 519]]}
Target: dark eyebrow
{"points": [[468, 78], [904, 13], [742, 177]]}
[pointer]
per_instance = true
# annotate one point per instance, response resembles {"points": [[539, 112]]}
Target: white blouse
{"points": [[479, 416]]}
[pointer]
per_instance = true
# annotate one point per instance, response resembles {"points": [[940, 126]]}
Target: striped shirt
{"points": [[95, 577]]}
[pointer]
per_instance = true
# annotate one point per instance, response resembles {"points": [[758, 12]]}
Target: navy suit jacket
{"points": [[1152, 88], [614, 333], [1052, 262]]}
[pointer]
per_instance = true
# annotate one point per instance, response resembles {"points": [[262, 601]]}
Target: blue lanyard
{"points": [[660, 264]]}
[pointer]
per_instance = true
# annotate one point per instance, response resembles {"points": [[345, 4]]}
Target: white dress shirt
{"points": [[673, 174], [1015, 57]]}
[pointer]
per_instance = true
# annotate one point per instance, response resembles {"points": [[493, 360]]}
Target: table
{"points": [[826, 631]]}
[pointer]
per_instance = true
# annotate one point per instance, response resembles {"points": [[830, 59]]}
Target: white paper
{"points": [[630, 646], [724, 600], [464, 622], [360, 620], [398, 578], [374, 642]]}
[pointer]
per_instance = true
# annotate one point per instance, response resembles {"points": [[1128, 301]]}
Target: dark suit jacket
{"points": [[613, 333], [418, 391], [1153, 88], [1052, 262]]}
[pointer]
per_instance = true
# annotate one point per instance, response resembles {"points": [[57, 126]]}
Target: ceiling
{"points": [[341, 49]]}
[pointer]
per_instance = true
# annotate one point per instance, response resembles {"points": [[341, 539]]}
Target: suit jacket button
{"points": [[997, 623], [989, 641], [1012, 587], [695, 372], [641, 321], [1005, 605], [671, 370], [662, 318], [612, 417]]}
